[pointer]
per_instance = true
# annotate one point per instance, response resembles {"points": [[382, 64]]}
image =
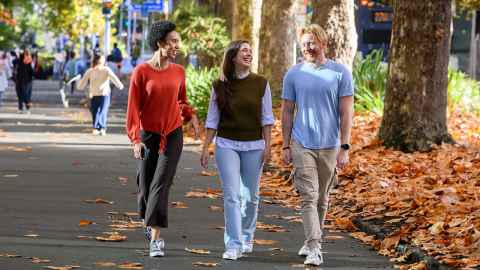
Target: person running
{"points": [[320, 91], [240, 116], [99, 76], [157, 106], [23, 81]]}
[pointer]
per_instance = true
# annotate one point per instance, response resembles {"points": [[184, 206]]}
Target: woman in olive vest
{"points": [[240, 115]]}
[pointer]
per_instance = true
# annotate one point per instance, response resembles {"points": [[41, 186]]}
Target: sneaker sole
{"points": [[232, 259], [157, 254]]}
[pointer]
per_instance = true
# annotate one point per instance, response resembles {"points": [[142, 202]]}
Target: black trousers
{"points": [[24, 94], [155, 176]]}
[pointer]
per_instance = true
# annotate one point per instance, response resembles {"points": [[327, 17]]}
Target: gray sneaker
{"points": [[156, 248]]}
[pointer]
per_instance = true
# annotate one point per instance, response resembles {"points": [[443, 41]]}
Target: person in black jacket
{"points": [[23, 81]]}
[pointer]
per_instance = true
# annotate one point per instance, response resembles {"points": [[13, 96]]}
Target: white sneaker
{"points": [[156, 248], [304, 251], [247, 247], [95, 132], [103, 132], [232, 254], [314, 258]]}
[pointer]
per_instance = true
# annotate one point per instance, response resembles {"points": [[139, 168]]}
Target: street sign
{"points": [[149, 6]]}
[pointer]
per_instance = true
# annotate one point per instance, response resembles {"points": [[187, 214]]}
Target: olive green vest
{"points": [[244, 121]]}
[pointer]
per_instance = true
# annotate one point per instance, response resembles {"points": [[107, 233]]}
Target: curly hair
{"points": [[158, 32]]}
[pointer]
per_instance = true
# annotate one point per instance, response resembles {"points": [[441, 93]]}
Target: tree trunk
{"points": [[277, 41], [226, 12], [415, 112], [242, 20], [337, 18], [256, 26]]}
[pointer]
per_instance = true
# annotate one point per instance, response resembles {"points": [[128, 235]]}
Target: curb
{"points": [[416, 254]]}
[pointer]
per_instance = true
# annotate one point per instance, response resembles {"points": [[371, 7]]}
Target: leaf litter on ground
{"points": [[430, 200]]}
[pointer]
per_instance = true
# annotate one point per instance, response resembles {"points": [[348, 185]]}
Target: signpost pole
{"points": [[107, 10]]}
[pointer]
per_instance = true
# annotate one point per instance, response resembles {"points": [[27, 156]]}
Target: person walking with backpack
{"points": [[240, 116], [99, 77]]}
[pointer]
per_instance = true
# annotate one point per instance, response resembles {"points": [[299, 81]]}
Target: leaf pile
{"points": [[430, 200]]}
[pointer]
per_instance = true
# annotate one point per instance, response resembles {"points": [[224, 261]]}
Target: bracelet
{"points": [[286, 147]]}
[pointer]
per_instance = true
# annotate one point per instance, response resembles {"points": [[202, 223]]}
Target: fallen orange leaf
{"points": [[206, 264], [99, 200], [198, 251], [105, 264], [130, 266], [215, 208], [208, 173], [85, 222], [264, 242], [181, 205]]}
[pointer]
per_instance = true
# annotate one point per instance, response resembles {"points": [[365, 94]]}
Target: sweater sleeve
{"points": [[186, 110], [114, 79], [135, 104], [83, 81]]}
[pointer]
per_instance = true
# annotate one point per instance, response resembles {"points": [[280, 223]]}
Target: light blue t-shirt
{"points": [[316, 92]]}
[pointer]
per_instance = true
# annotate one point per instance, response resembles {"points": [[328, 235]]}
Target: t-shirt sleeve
{"points": [[346, 83], [288, 91]]}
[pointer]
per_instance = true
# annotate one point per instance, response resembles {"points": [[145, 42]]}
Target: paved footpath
{"points": [[49, 166]]}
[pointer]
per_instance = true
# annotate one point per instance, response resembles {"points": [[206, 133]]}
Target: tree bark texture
{"points": [[415, 111], [337, 18], [242, 20], [226, 12], [277, 41]]}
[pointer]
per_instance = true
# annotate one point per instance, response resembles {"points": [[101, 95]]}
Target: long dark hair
{"points": [[222, 89]]}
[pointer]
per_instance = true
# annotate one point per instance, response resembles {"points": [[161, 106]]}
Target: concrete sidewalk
{"points": [[49, 166]]}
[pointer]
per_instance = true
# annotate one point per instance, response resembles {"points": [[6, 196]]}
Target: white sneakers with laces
{"points": [[232, 254], [247, 247], [156, 248], [314, 257]]}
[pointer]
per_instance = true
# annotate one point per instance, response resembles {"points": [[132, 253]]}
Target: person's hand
{"points": [[287, 155], [137, 150], [342, 158], [204, 157], [267, 155], [196, 126]]}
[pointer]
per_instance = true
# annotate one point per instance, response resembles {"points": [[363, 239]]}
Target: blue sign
{"points": [[149, 6]]}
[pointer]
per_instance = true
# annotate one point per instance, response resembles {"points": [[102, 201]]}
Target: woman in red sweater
{"points": [[157, 106]]}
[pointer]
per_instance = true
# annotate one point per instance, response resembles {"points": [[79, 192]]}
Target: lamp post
{"points": [[107, 11]]}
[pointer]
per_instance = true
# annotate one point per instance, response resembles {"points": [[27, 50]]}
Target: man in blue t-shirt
{"points": [[316, 121]]}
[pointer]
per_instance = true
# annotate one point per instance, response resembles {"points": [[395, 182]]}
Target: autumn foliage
{"points": [[429, 200]]}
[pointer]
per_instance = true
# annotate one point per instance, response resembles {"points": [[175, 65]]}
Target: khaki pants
{"points": [[315, 175]]}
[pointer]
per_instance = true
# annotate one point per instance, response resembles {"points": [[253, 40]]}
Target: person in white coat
{"points": [[4, 74]]}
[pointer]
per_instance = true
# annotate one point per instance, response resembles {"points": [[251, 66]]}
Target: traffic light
{"points": [[107, 7]]}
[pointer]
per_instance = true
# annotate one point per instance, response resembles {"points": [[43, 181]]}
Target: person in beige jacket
{"points": [[99, 77]]}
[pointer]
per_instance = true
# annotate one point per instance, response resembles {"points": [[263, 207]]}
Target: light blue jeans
{"points": [[240, 174]]}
